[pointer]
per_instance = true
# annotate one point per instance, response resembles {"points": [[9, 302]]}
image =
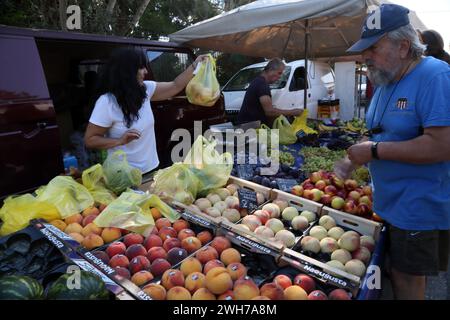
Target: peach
{"points": [[273, 209], [264, 232], [170, 243], [88, 219], [92, 241], [245, 289], [212, 264], [111, 234], [73, 228], [203, 294], [176, 255], [180, 224], [236, 270], [275, 225], [306, 282], [272, 291], [123, 272], [61, 225], [156, 214], [172, 278], [362, 254], [178, 293], [231, 215], [283, 281], [227, 295], [204, 237], [295, 293], [133, 238], [318, 232], [141, 277], [102, 207], [338, 294], [341, 255], [75, 218], [76, 236], [190, 265], [328, 245], [139, 263], [90, 211], [317, 295], [349, 241], [206, 254], [156, 253], [135, 250], [167, 232], [185, 233], [191, 244], [252, 222], [262, 215], [368, 242], [119, 260], [159, 266], [218, 280], [91, 228], [336, 233], [162, 222], [230, 255], [102, 255], [194, 281], [355, 267], [299, 223], [220, 243], [155, 291], [310, 244], [116, 248], [152, 241], [327, 222], [286, 237]]}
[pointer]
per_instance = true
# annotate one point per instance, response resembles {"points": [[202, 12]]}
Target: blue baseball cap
{"points": [[386, 18]]}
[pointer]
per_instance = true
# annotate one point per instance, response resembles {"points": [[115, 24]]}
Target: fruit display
{"points": [[338, 246], [320, 158], [14, 287], [328, 189]]}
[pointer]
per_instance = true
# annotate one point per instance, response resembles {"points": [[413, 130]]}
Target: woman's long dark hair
{"points": [[435, 45], [119, 77]]}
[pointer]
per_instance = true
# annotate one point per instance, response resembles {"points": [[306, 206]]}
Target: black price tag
{"points": [[247, 199], [286, 184], [244, 171]]}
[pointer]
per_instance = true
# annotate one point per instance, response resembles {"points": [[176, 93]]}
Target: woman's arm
{"points": [[166, 90], [94, 137]]}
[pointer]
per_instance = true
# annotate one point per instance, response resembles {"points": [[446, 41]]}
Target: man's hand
{"points": [[129, 136], [360, 153]]}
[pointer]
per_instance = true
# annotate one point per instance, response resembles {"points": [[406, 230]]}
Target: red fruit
{"points": [[124, 272], [152, 241], [116, 248], [156, 253], [133, 238], [306, 282], [167, 232], [317, 295], [162, 222], [119, 260], [139, 263], [135, 250], [171, 243]]}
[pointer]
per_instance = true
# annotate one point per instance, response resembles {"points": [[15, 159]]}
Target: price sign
{"points": [[286, 184], [247, 199], [245, 171]]}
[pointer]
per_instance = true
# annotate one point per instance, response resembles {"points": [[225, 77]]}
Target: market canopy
{"points": [[277, 28]]}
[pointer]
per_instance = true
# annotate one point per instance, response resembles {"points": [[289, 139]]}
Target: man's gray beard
{"points": [[381, 77]]}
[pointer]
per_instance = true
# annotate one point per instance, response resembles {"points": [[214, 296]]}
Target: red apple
{"points": [[350, 184], [297, 190], [320, 185], [350, 207], [363, 210], [326, 199], [337, 182], [315, 176], [331, 190]]}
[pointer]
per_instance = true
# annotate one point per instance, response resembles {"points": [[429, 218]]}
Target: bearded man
{"points": [[409, 148]]}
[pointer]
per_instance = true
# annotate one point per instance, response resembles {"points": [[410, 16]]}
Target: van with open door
{"points": [[47, 93], [287, 92]]}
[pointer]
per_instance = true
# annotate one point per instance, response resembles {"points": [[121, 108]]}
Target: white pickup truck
{"points": [[287, 92]]}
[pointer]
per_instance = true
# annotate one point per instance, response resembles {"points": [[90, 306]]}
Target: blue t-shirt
{"points": [[412, 196]]}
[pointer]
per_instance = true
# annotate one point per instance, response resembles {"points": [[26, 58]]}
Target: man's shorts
{"points": [[418, 252]]}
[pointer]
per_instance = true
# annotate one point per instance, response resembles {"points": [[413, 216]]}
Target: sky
{"points": [[435, 14]]}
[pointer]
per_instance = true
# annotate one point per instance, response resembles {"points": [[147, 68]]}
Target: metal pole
{"points": [[305, 91]]}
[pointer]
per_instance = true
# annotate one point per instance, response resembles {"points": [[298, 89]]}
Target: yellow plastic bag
{"points": [[17, 212], [286, 132], [300, 123], [204, 89], [210, 167], [67, 195], [176, 182], [131, 211], [93, 180], [119, 174]]}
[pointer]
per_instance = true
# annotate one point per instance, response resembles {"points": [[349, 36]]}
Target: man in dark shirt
{"points": [[257, 104]]}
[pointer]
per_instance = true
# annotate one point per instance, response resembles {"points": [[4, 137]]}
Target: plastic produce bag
{"points": [[119, 175], [286, 132], [94, 181], [131, 211], [67, 195], [211, 168], [17, 212], [300, 123], [176, 182], [204, 89]]}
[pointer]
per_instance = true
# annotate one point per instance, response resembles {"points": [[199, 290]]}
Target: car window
{"points": [[242, 79], [166, 66]]}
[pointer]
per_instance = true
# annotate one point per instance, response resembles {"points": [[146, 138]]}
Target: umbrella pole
{"points": [[305, 91]]}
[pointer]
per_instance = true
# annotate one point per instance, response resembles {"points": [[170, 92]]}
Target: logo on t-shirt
{"points": [[402, 103]]}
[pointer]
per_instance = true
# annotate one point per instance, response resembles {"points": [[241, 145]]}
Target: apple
{"points": [[337, 182], [307, 194], [337, 203], [308, 186], [315, 176], [354, 195], [350, 184], [367, 190], [331, 190], [297, 190], [350, 207], [326, 199], [365, 200], [342, 193], [316, 195], [320, 185], [363, 210]]}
